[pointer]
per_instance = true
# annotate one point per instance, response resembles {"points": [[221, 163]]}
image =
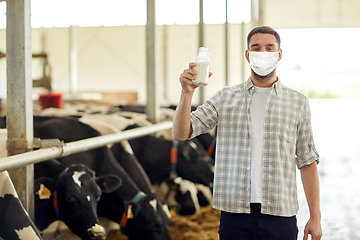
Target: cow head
{"points": [[144, 221], [184, 196], [75, 194]]}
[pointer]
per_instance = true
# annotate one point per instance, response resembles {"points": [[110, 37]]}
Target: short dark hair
{"points": [[263, 29]]}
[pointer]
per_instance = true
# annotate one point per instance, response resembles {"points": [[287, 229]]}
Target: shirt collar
{"points": [[248, 84]]}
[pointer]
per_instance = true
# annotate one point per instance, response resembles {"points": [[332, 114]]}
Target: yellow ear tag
{"points": [[129, 212], [186, 154], [44, 192]]}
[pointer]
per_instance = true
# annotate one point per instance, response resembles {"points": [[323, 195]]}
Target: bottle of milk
{"points": [[202, 67]]}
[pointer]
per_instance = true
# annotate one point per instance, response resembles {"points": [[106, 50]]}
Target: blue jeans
{"points": [[256, 226]]}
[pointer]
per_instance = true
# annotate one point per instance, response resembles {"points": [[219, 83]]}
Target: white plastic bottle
{"points": [[202, 67]]}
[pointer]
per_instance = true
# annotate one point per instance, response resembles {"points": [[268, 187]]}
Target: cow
{"points": [[15, 222], [70, 194], [127, 159], [136, 211], [107, 124]]}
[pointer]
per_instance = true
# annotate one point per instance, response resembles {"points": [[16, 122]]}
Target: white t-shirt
{"points": [[257, 110]]}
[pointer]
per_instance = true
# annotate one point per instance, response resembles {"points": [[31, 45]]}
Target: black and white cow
{"points": [[128, 205], [15, 223], [128, 161], [70, 194], [107, 124]]}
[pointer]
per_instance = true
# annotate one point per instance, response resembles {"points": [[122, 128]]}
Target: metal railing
{"points": [[78, 146]]}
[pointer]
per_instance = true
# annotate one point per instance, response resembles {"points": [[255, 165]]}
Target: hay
{"points": [[202, 226]]}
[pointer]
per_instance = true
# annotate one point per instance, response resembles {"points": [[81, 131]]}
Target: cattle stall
{"points": [[183, 227], [49, 152]]}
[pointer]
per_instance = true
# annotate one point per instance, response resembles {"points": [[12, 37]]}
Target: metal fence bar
{"points": [[78, 146]]}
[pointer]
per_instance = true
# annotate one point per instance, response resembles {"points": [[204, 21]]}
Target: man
{"points": [[263, 133]]}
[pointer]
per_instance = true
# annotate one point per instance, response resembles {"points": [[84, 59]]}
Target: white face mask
{"points": [[263, 63]]}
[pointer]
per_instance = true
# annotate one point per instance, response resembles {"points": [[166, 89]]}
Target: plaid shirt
{"points": [[288, 142]]}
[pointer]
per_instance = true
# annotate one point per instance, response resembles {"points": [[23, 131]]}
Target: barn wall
{"points": [[311, 13]]}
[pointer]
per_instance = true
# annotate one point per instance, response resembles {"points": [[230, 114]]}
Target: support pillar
{"points": [[152, 102], [19, 96]]}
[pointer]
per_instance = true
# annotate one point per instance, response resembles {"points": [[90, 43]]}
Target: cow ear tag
{"points": [[186, 155], [44, 192], [129, 212]]}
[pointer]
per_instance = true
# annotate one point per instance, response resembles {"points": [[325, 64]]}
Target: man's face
{"points": [[263, 42]]}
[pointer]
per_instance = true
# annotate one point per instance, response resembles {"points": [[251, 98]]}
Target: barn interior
{"points": [[86, 56]]}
